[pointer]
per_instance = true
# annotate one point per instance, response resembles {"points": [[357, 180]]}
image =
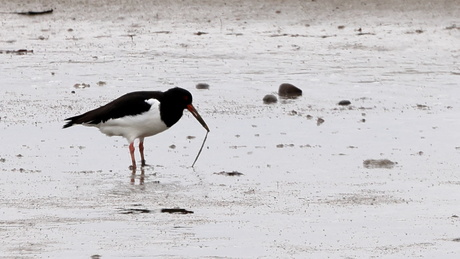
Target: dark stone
{"points": [[344, 103], [270, 98], [289, 91], [202, 86]]}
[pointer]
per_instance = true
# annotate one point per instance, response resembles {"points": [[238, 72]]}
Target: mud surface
{"points": [[304, 191]]}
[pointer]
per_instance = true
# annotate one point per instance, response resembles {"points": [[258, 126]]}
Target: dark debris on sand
{"points": [[176, 211], [233, 173]]}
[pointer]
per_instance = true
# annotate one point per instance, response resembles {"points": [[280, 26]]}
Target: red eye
{"points": [[185, 97]]}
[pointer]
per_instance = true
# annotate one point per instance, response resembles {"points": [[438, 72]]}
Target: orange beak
{"points": [[197, 116]]}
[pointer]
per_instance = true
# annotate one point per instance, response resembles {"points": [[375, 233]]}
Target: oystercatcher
{"points": [[138, 115]]}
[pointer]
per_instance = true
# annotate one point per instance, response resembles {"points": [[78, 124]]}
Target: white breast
{"points": [[138, 126]]}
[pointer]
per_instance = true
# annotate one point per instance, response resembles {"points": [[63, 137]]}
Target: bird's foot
{"points": [[132, 167], [143, 164]]}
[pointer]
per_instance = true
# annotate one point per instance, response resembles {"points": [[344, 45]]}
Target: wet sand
{"points": [[377, 178]]}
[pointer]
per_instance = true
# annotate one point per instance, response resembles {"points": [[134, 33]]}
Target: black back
{"points": [[172, 104]]}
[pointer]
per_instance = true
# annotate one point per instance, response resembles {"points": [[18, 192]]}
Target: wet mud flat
{"points": [[364, 163]]}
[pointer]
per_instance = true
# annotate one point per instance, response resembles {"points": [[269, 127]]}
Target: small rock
{"points": [[289, 91], [202, 86], [344, 103], [270, 98]]}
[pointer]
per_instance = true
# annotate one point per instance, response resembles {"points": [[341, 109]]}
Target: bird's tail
{"points": [[72, 121]]}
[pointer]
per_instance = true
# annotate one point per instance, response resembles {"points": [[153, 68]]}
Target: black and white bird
{"points": [[138, 115]]}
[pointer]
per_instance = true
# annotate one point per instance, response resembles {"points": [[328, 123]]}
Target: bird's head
{"points": [[184, 99]]}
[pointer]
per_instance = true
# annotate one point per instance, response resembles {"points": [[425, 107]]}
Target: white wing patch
{"points": [[152, 101]]}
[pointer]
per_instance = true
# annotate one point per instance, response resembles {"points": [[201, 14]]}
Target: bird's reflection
{"points": [[141, 176]]}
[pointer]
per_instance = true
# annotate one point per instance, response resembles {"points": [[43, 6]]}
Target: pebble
{"points": [[202, 86], [270, 98], [344, 103], [289, 91]]}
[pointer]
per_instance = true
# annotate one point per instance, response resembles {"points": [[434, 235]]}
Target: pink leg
{"points": [[141, 150], [131, 151]]}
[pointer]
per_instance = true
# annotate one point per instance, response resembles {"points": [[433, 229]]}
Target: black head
{"points": [[174, 101], [178, 97]]}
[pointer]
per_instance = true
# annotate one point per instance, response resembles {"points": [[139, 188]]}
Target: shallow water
{"points": [[304, 190]]}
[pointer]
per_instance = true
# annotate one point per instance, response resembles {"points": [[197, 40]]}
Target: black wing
{"points": [[126, 105]]}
